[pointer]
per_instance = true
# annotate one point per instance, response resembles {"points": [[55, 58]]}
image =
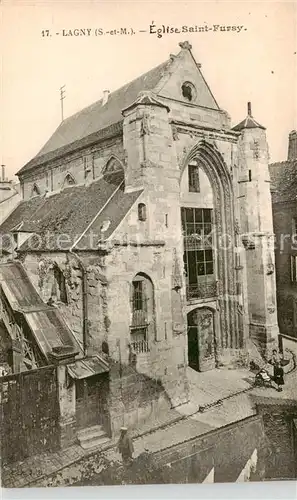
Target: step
{"points": [[93, 442], [95, 430]]}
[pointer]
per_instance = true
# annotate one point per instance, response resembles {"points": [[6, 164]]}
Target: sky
{"points": [[257, 64]]}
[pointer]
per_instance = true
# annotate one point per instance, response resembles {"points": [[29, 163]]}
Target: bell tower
{"points": [[257, 235]]}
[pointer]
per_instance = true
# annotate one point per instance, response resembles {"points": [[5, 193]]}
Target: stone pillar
{"points": [[152, 164], [257, 235], [66, 395]]}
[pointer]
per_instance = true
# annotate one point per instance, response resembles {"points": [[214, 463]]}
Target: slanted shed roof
{"points": [[45, 322], [87, 367], [61, 219]]}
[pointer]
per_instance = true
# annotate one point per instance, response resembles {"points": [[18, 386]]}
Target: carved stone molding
{"points": [[248, 242], [174, 133], [145, 126], [270, 269], [149, 164], [212, 162], [185, 45]]}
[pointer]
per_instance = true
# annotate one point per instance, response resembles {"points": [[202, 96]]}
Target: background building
{"points": [[284, 202]]}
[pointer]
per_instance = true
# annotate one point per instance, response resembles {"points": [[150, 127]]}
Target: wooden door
{"points": [[91, 401], [87, 402], [193, 347], [206, 339]]}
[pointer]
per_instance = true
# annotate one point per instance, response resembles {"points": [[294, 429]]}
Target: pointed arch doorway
{"points": [[201, 339]]}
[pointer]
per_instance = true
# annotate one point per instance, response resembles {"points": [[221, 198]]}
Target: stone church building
{"points": [[143, 243]]}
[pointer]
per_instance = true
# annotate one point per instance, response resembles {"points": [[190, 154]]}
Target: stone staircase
{"points": [[91, 437]]}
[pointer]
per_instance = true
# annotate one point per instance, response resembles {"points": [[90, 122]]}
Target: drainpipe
{"points": [[85, 331]]}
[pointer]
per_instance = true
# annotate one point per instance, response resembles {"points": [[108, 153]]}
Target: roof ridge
{"points": [[95, 103]]}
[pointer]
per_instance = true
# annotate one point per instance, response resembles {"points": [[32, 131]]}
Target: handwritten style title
{"points": [[157, 30]]}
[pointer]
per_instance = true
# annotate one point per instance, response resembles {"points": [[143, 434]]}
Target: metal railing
{"points": [[201, 290], [139, 335], [140, 346]]}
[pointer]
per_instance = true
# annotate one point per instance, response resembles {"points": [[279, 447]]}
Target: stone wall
{"points": [[278, 419], [84, 166], [29, 414], [205, 458], [134, 398], [108, 314], [285, 246], [40, 271]]}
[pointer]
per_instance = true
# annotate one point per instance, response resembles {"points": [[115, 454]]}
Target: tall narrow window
{"points": [[294, 268], [198, 252], [142, 309], [141, 211], [61, 289], [250, 175], [193, 175]]}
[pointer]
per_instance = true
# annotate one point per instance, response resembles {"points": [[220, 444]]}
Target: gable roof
{"points": [[90, 120], [283, 176], [100, 120], [57, 222]]}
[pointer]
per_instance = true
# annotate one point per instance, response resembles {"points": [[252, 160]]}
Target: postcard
{"points": [[148, 263]]}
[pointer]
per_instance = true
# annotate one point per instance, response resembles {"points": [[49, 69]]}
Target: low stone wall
{"points": [[278, 419], [226, 450]]}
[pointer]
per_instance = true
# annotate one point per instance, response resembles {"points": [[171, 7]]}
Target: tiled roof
{"points": [[59, 220], [248, 122], [114, 211], [14, 276], [283, 176], [88, 122], [45, 322], [22, 212]]}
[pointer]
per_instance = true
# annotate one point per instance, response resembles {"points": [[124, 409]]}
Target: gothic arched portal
{"points": [[211, 162]]}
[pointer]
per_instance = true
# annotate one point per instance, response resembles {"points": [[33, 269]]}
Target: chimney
{"points": [[249, 109], [3, 173], [292, 149], [105, 96]]}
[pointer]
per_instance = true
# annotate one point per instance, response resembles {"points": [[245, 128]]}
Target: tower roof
{"points": [[248, 122]]}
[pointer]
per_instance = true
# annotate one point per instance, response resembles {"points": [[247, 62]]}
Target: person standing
{"points": [[278, 376], [278, 372], [125, 446]]}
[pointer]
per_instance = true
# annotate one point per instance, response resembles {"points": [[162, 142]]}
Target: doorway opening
{"points": [[201, 339]]}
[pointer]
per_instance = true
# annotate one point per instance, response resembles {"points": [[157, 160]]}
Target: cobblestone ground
{"points": [[218, 398]]}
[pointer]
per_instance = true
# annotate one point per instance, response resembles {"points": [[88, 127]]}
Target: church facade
{"points": [[143, 245]]}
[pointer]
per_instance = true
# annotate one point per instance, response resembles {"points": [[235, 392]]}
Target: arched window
{"points": [[59, 286], [142, 327], [35, 191], [142, 211], [188, 91], [113, 171], [69, 181]]}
